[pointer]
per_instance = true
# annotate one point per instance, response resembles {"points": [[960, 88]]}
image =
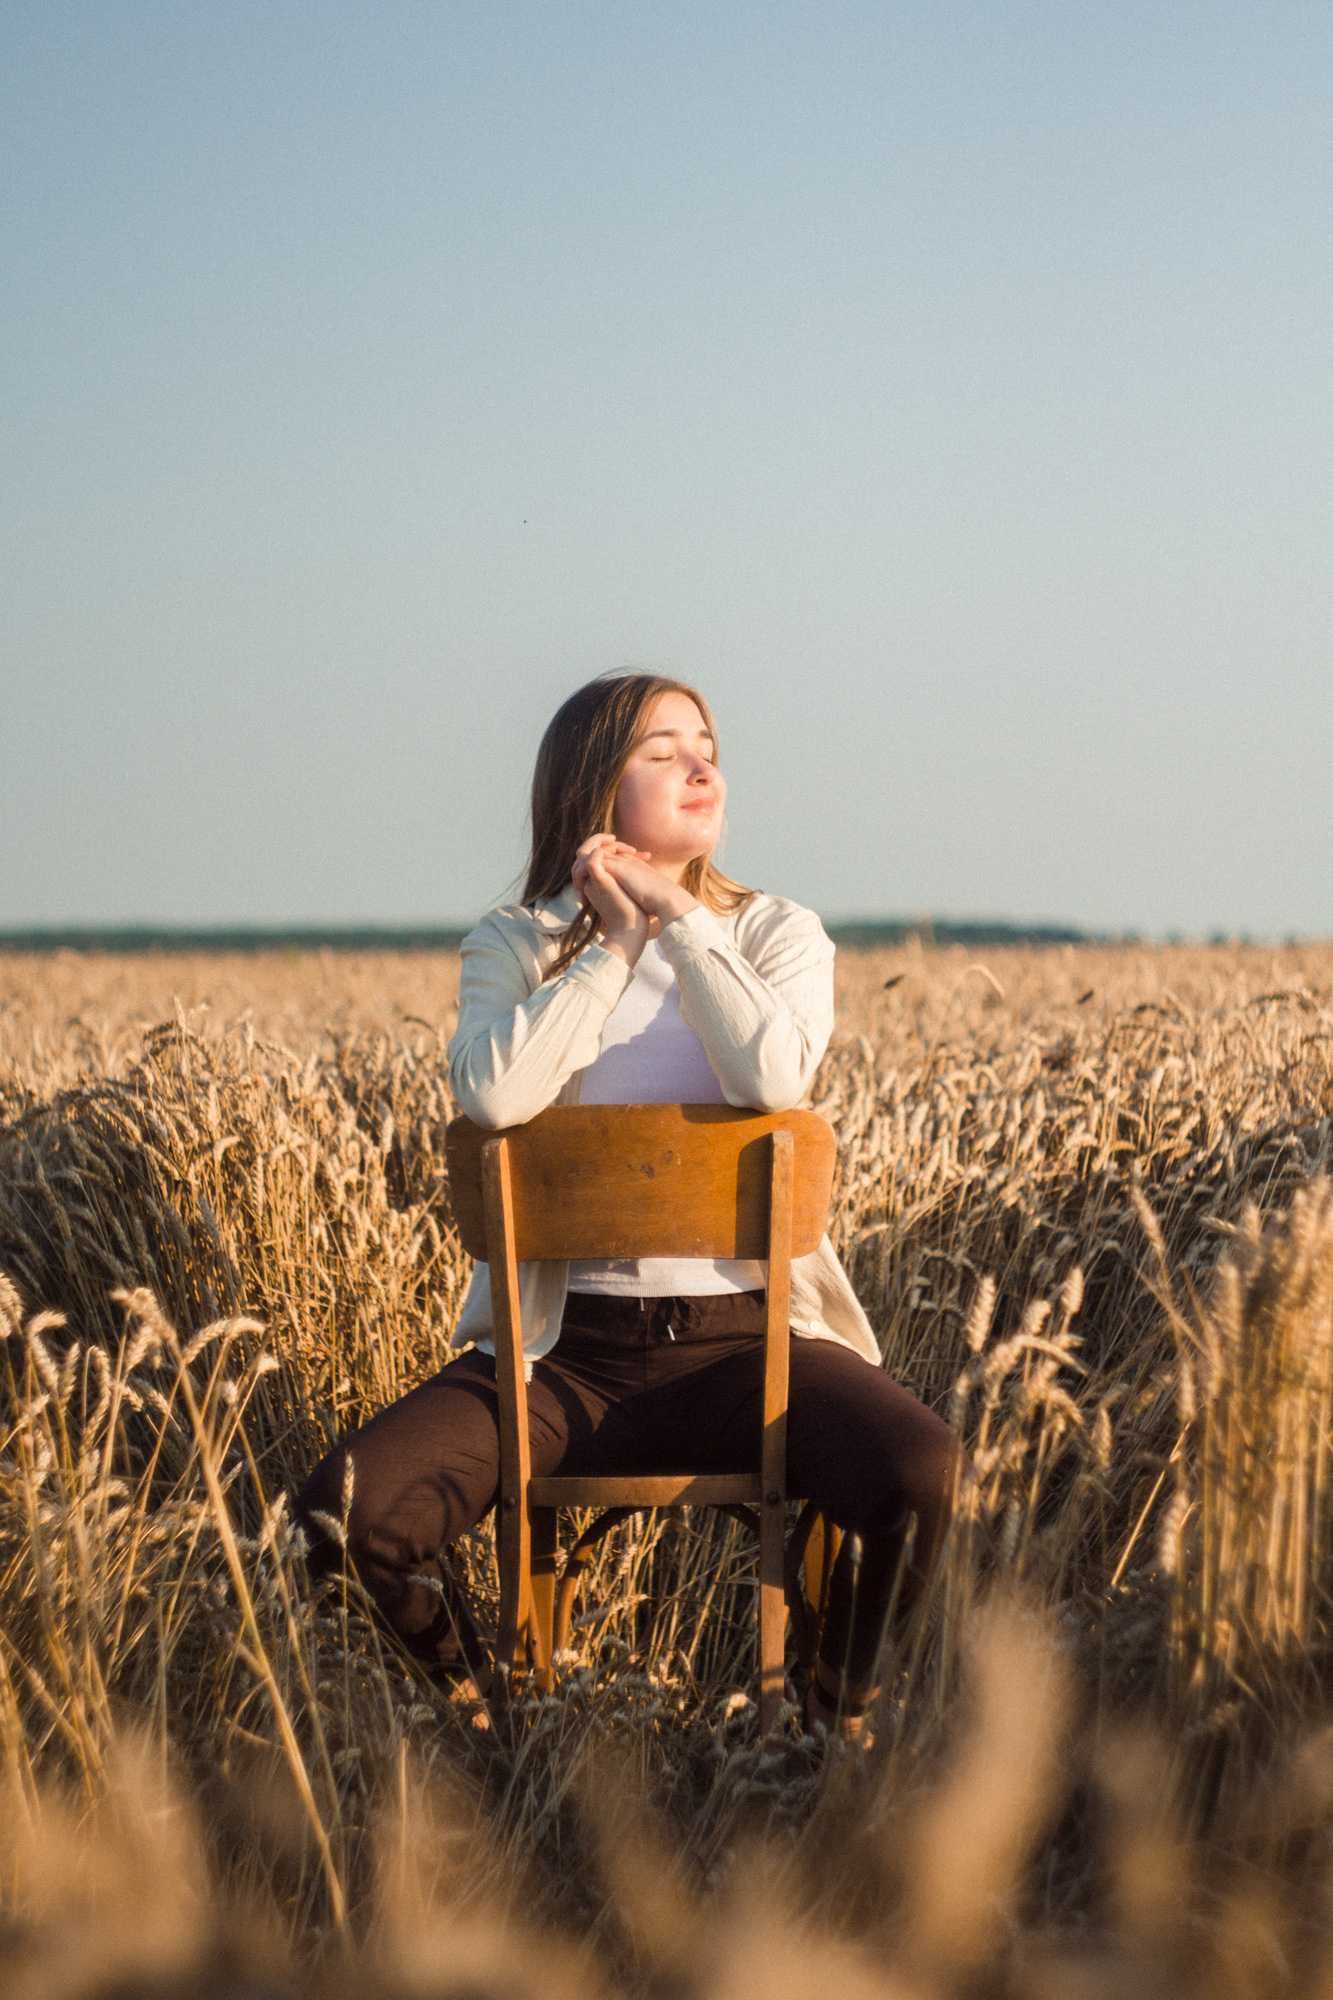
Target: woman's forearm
{"points": [[765, 1027], [512, 1051]]}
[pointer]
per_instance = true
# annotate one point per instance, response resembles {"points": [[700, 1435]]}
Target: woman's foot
{"points": [[845, 1715]]}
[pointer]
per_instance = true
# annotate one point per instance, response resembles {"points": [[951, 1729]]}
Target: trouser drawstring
{"points": [[651, 1306]]}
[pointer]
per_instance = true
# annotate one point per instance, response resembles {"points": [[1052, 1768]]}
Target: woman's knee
{"points": [[324, 1507], [931, 1478], [869, 1451], [416, 1475], [378, 1514]]}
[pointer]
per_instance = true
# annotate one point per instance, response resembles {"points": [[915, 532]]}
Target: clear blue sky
{"points": [[947, 389]]}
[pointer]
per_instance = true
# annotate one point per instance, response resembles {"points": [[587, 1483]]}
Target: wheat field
{"points": [[1084, 1196]]}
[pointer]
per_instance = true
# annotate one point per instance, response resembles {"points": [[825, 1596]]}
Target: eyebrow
{"points": [[673, 732]]}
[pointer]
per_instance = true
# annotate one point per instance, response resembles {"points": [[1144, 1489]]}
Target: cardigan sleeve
{"points": [[764, 1024], [513, 1049]]}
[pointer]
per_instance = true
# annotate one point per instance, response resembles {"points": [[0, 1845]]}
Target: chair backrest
{"points": [[644, 1180]]}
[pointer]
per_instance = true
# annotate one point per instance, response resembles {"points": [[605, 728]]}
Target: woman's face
{"points": [[671, 795]]}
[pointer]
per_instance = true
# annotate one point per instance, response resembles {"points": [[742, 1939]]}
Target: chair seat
{"points": [[668, 1489]]}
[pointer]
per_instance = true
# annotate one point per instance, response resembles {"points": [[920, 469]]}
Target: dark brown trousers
{"points": [[647, 1385]]}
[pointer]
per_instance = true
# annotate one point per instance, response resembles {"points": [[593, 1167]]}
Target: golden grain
{"points": [[260, 1165]]}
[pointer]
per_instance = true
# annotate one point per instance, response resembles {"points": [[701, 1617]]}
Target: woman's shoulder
{"points": [[507, 920], [766, 916], [531, 933]]}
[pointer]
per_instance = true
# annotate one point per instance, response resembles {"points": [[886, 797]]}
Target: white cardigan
{"points": [[756, 986]]}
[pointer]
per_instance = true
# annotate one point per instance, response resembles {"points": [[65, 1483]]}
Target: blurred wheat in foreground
{"points": [[1085, 1198]]}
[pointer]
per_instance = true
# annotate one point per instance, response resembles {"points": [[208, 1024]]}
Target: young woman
{"points": [[635, 971]]}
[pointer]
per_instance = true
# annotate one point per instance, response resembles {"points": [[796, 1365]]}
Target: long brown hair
{"points": [[579, 764]]}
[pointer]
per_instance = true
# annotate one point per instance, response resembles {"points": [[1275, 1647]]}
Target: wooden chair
{"points": [[643, 1180]]}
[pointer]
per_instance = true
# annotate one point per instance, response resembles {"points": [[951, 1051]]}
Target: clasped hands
{"points": [[632, 899]]}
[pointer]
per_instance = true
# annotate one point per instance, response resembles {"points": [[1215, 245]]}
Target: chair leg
{"points": [[541, 1616], [821, 1552], [772, 1613], [513, 1549]]}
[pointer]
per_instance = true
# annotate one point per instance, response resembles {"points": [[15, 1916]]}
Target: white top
{"points": [[755, 985], [649, 1055]]}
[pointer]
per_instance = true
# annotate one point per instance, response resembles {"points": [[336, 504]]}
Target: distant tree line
{"points": [[856, 933]]}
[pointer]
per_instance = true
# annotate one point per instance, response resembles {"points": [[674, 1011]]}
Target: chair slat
{"points": [[694, 1183], [640, 1489]]}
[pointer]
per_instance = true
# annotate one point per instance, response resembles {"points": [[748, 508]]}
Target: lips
{"points": [[699, 805]]}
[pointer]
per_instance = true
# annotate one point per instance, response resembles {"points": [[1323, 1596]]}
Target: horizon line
{"points": [[930, 927]]}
